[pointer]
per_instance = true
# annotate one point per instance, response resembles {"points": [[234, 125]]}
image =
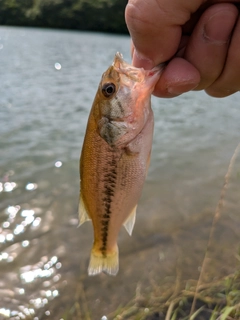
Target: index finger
{"points": [[156, 28]]}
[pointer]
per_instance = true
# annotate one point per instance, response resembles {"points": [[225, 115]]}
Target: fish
{"points": [[115, 158]]}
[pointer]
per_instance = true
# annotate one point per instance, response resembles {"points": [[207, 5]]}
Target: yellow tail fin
{"points": [[100, 263]]}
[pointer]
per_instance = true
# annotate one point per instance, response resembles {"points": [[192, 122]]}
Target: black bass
{"points": [[115, 157]]}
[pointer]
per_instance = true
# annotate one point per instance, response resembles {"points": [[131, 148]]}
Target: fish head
{"points": [[122, 104]]}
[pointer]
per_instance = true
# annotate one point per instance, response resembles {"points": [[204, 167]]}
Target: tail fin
{"points": [[100, 263]]}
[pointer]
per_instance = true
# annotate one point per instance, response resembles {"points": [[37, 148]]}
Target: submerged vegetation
{"points": [[219, 300], [91, 15]]}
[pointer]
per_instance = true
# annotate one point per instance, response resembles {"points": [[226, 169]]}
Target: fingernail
{"points": [[140, 61], [219, 27]]}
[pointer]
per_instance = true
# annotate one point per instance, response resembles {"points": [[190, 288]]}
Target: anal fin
{"points": [[129, 223], [83, 215]]}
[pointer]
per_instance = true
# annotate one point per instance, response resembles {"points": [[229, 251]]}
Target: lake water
{"points": [[48, 80]]}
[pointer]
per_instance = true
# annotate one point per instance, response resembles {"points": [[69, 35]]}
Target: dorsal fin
{"points": [[83, 215], [129, 223]]}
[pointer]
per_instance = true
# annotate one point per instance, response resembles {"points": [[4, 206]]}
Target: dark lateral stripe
{"points": [[109, 180]]}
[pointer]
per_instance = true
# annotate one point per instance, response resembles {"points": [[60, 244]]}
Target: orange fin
{"points": [[107, 264], [83, 215], [129, 223]]}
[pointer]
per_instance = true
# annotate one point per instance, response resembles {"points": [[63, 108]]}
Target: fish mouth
{"points": [[121, 66], [135, 74]]}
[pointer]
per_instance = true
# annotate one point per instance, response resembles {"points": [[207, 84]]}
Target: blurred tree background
{"points": [[92, 15]]}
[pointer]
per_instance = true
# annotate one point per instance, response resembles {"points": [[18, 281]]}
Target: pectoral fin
{"points": [[129, 223], [83, 215]]}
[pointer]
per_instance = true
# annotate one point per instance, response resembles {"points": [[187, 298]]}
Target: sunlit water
{"points": [[48, 81]]}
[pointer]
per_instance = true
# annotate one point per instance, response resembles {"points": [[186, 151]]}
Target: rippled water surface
{"points": [[48, 81]]}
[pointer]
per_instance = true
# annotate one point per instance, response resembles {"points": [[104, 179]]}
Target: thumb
{"points": [[156, 28]]}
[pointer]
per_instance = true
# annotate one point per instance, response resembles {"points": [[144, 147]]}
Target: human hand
{"points": [[200, 39]]}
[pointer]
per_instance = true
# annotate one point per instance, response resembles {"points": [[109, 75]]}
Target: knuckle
{"points": [[133, 15], [140, 19]]}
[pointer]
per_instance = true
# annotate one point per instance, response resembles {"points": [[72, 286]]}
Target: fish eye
{"points": [[108, 89]]}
